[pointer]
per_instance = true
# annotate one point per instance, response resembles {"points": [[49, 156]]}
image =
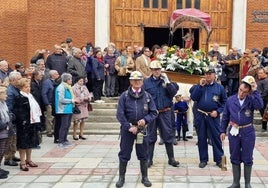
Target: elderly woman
{"points": [[64, 103], [82, 95], [76, 66], [124, 65], [27, 112], [5, 125], [98, 75]]}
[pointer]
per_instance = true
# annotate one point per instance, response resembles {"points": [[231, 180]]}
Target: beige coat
{"points": [[123, 70], [142, 66]]}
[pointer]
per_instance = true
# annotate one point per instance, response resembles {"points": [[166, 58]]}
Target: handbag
{"points": [[76, 110], [89, 107]]}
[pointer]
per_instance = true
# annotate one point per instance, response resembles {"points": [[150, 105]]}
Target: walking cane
{"points": [[223, 160]]}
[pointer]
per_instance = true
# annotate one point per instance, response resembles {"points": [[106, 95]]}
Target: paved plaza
{"points": [[93, 163]]}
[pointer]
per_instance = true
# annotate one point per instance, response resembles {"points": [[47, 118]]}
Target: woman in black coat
{"points": [[27, 112]]}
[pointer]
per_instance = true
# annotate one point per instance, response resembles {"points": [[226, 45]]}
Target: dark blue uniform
{"points": [[182, 108], [162, 95], [132, 108], [242, 145], [181, 120], [208, 98]]}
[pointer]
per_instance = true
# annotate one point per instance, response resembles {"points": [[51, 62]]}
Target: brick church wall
{"points": [[51, 22], [257, 32], [28, 25], [13, 33]]}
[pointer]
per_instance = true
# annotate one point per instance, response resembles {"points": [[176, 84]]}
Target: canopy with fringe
{"points": [[181, 16]]}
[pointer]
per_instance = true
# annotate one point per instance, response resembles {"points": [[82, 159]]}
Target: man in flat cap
{"points": [[210, 99]]}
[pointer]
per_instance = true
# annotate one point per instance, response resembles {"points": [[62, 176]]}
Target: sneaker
{"points": [[67, 143], [61, 145], [102, 101]]}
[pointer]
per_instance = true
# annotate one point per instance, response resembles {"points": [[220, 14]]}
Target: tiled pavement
{"points": [[93, 163]]}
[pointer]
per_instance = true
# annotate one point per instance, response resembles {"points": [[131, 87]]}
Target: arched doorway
{"points": [[160, 36]]}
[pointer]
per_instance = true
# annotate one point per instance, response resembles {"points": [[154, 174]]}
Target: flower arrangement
{"points": [[184, 60]]}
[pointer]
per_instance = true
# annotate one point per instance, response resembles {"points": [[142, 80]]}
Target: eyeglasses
{"points": [[147, 51]]}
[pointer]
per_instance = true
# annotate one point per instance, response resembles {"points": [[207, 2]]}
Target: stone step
{"points": [[103, 112], [104, 105], [101, 118], [102, 125]]}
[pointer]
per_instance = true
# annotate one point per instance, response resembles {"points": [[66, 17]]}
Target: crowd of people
{"points": [[55, 84]]}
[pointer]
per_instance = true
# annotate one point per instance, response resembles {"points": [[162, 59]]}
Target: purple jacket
{"points": [[241, 115], [111, 61]]}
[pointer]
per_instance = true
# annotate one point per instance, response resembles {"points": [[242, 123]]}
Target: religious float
{"points": [[185, 65]]}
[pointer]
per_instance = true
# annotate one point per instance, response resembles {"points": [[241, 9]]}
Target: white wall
{"points": [[102, 23], [239, 24]]}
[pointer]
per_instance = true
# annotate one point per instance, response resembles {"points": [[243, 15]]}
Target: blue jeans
{"points": [[233, 84]]}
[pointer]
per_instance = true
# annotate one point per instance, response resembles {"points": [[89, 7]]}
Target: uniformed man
{"points": [[136, 109], [162, 91], [237, 120], [210, 98]]}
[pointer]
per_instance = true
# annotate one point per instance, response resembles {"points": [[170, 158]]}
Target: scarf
{"points": [[100, 60], [123, 60], [35, 111], [4, 112], [69, 87]]}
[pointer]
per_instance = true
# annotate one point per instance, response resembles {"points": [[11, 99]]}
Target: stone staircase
{"points": [[102, 120]]}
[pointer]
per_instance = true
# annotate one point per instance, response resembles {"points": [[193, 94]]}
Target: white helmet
{"points": [[249, 80], [155, 64], [136, 75]]}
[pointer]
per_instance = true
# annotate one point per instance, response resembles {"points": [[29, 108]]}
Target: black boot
{"points": [[144, 172], [150, 154], [122, 172], [179, 134], [264, 126], [170, 153], [247, 175], [236, 176], [175, 142], [184, 136]]}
